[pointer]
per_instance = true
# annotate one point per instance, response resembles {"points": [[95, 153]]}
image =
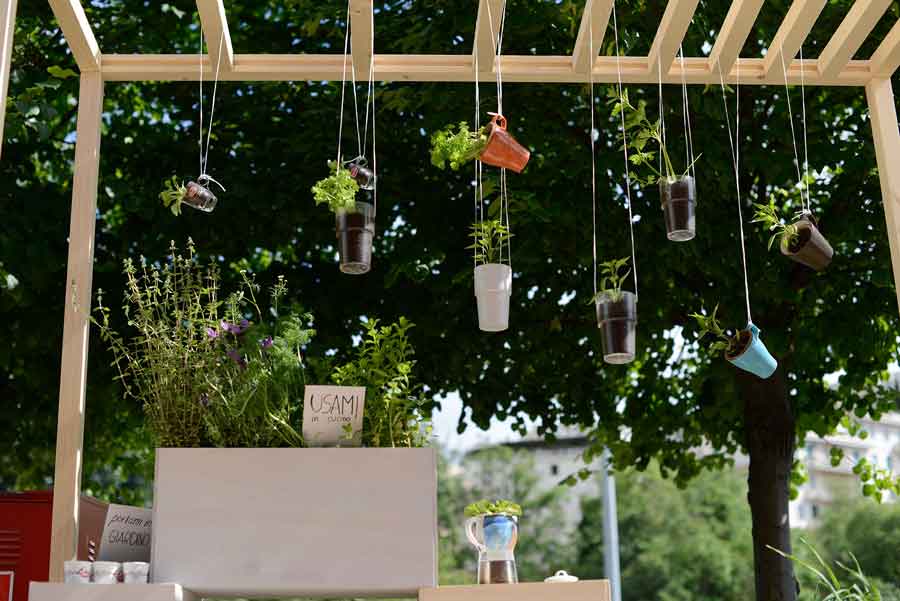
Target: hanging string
{"points": [[805, 145], [662, 112], [735, 145], [625, 150], [479, 206], [371, 94], [343, 86], [593, 152], [200, 141], [504, 197], [787, 94], [212, 112], [689, 148], [359, 142]]}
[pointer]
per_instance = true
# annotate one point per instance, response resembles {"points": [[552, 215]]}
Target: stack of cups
{"points": [[106, 572]]}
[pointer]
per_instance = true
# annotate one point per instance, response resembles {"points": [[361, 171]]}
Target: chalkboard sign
{"points": [[333, 415]]}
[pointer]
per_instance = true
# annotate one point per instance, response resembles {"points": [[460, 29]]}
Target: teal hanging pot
{"points": [[752, 354]]}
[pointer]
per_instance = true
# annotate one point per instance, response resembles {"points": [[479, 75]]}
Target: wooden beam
{"points": [[731, 39], [886, 59], [594, 21], [458, 68], [77, 294], [215, 31], [487, 30], [7, 30], [790, 36], [883, 115], [850, 35], [78, 33], [674, 25], [361, 39]]}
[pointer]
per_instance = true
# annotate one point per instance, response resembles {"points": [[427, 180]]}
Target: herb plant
{"points": [[768, 215], [456, 148], [861, 588], [486, 507], [338, 190], [489, 238], [723, 342], [173, 192], [640, 131], [611, 280]]}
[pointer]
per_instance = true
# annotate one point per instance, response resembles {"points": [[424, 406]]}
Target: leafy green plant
{"points": [[173, 192], [487, 507], [395, 410], [611, 280], [489, 238], [861, 588], [456, 147], [638, 132], [768, 215], [338, 190], [723, 342]]}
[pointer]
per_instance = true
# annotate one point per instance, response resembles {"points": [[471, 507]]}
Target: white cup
{"points": [[107, 572], [77, 572], [136, 572]]}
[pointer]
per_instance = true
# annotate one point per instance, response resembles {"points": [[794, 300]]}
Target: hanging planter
{"points": [[493, 278], [491, 144], [359, 171], [800, 241], [679, 198], [354, 221], [616, 314], [743, 349], [192, 194]]}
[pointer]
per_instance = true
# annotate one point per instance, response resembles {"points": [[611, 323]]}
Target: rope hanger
{"points": [[204, 154], [802, 180]]}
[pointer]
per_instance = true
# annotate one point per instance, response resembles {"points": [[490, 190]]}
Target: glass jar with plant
{"points": [[800, 240], [677, 189], [616, 312], [492, 528], [493, 278], [193, 194], [743, 348], [492, 144], [354, 221]]}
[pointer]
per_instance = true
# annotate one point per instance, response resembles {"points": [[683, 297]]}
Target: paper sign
{"points": [[6, 586], [126, 534], [333, 415]]}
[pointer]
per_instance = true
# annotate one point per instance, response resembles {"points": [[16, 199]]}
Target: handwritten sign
{"points": [[126, 534], [333, 415]]}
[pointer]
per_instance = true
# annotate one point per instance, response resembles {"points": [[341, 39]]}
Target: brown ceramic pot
{"points": [[355, 232], [810, 247], [617, 320], [198, 196], [502, 150], [678, 201]]}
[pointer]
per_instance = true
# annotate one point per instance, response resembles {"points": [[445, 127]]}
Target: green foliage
{"points": [[858, 589], [788, 233], [722, 341], [395, 411], [173, 192], [611, 280], [338, 190], [487, 507], [490, 237], [456, 148]]}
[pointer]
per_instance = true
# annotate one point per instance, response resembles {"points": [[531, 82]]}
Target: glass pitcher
{"points": [[495, 537]]}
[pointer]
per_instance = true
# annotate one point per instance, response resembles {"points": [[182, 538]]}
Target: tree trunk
{"points": [[770, 435]]}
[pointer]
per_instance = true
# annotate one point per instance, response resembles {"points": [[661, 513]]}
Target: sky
{"points": [[445, 420]]}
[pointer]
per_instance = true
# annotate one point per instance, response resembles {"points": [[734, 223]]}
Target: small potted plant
{"points": [[193, 194], [616, 313], [493, 278], [743, 349], [677, 189], [354, 221], [800, 241], [491, 144], [492, 528]]}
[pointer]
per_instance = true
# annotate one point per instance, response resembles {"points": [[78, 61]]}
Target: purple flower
{"points": [[266, 343], [235, 356], [235, 329], [212, 333], [204, 399]]}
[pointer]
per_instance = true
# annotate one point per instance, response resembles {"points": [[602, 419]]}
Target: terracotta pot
{"points": [[502, 150], [198, 196], [811, 248], [355, 232], [617, 320], [678, 201]]}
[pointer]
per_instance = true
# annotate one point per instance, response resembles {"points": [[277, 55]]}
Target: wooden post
{"points": [[73, 377], [883, 114], [7, 29]]}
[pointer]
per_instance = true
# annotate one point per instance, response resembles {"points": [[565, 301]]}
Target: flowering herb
{"points": [[456, 148], [486, 507], [338, 190]]}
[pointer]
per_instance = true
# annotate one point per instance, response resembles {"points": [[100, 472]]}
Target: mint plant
{"points": [[456, 147]]}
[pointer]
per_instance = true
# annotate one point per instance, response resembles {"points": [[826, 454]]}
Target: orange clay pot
{"points": [[502, 150]]}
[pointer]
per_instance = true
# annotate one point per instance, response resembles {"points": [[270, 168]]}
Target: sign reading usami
{"points": [[333, 415]]}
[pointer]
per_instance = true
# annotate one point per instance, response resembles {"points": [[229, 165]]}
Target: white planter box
{"points": [[584, 590], [296, 522], [44, 591]]}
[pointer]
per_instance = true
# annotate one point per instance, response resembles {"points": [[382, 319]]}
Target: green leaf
{"points": [[60, 72]]}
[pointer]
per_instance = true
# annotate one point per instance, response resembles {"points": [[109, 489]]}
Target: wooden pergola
{"points": [[834, 67]]}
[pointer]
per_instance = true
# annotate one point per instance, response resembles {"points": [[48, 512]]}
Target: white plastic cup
{"points": [[107, 572], [493, 288], [136, 572], [77, 572]]}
